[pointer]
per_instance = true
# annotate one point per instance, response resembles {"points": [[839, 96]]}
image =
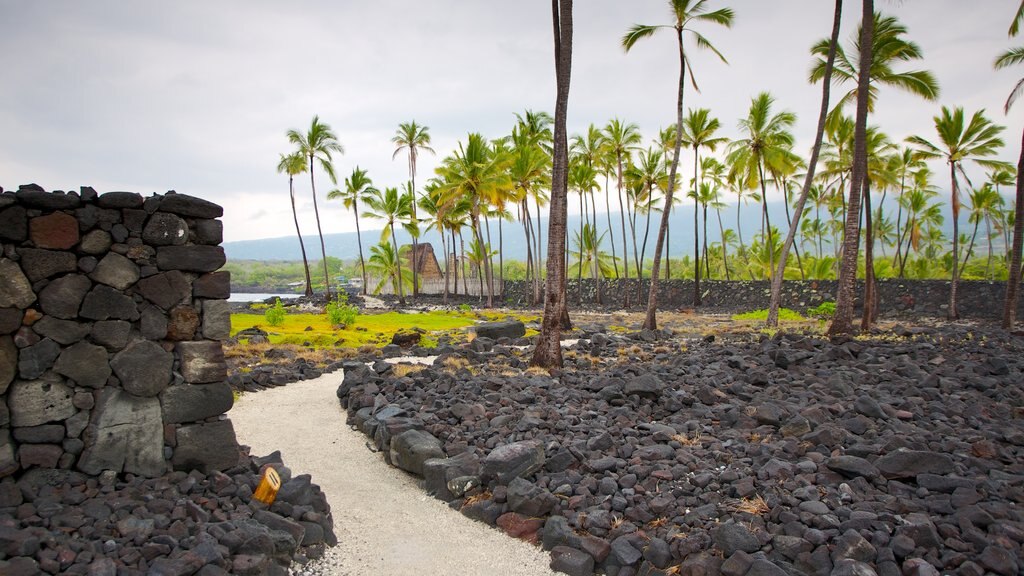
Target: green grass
{"points": [[375, 329], [785, 315]]}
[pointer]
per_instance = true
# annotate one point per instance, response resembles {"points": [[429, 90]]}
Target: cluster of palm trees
{"points": [[859, 184]]}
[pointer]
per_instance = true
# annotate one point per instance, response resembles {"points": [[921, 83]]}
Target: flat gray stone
{"points": [[8, 460], [195, 402], [202, 361], [96, 242], [13, 224], [190, 258], [15, 288], [61, 331], [216, 319], [111, 334], [105, 303], [165, 229], [62, 298], [115, 271], [410, 449], [215, 285], [8, 362], [519, 459], [144, 368], [206, 447], [166, 290], [35, 402], [86, 364], [120, 200], [38, 264], [38, 358], [154, 323], [185, 205], [208, 232], [124, 435]]}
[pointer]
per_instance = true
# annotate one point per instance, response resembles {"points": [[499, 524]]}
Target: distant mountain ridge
{"points": [[343, 245]]}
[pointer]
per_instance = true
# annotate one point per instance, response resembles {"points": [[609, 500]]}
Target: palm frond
{"points": [[636, 33]]}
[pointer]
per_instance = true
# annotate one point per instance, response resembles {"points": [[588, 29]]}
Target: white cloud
{"points": [[196, 97]]}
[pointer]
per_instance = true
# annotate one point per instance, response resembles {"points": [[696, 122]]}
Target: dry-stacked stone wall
{"points": [[112, 313]]}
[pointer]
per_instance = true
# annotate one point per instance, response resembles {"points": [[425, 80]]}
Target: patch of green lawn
{"points": [[375, 329]]}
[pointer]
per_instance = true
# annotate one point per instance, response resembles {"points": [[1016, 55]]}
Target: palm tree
{"points": [[294, 164], [879, 45], [620, 139], [548, 352], [414, 138], [1009, 58], [685, 13], [974, 141], [432, 205], [387, 265], [318, 143], [766, 146], [699, 129], [529, 173], [475, 172], [394, 209], [358, 187], [776, 294], [986, 205], [888, 47]]}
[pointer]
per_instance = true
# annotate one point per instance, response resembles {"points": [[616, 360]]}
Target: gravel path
{"points": [[385, 523]]}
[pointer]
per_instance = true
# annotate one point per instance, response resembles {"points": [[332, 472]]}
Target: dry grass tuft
{"points": [[476, 498], [401, 370], [753, 505], [691, 439]]}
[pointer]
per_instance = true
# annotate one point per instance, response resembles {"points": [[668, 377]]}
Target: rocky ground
{"points": [[743, 454], [63, 522]]}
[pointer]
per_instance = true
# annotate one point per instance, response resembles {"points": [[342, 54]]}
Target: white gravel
{"points": [[385, 522]]}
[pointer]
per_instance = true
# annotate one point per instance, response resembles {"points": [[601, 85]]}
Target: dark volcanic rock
{"points": [[185, 205], [502, 329], [410, 449], [519, 459], [910, 463], [190, 258]]}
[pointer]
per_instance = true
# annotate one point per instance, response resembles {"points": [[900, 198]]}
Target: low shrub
{"points": [[275, 314], [340, 312], [823, 311]]}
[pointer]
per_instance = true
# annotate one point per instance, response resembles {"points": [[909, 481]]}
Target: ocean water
{"points": [[258, 296]]}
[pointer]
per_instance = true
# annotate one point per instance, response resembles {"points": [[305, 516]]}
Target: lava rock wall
{"points": [[112, 313], [896, 297]]}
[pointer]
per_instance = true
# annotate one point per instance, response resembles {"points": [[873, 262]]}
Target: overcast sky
{"points": [[149, 96]]}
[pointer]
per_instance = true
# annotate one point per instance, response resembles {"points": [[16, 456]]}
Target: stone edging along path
{"points": [[785, 455], [384, 522]]}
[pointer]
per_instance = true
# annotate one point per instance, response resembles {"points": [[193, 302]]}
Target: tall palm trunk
{"points": [[696, 236], [704, 247], [870, 313], [643, 249], [359, 241], [651, 321], [486, 272], [548, 352], [597, 264], [501, 259], [319, 231], [953, 313], [1013, 281], [988, 261], [447, 264], [611, 233], [302, 245], [899, 216], [579, 271], [721, 233], [842, 320], [398, 266], [766, 221], [970, 245], [625, 251], [538, 238], [798, 209]]}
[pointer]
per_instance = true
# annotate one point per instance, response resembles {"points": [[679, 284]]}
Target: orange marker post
{"points": [[270, 483]]}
